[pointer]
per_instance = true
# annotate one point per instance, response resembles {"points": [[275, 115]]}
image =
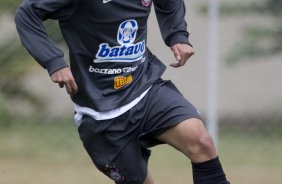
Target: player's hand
{"points": [[65, 79], [182, 52]]}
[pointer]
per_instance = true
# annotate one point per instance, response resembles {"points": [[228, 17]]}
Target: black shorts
{"points": [[119, 147]]}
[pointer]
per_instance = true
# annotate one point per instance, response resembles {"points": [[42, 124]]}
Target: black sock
{"points": [[209, 172]]}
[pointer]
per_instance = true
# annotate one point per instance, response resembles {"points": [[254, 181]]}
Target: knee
{"points": [[204, 144], [203, 149], [200, 147]]}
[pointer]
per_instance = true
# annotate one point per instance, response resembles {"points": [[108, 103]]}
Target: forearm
{"points": [[29, 22], [171, 19]]}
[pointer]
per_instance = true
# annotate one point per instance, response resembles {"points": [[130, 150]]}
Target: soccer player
{"points": [[122, 105]]}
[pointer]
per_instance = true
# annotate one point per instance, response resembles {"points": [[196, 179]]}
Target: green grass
{"points": [[32, 153], [37, 140], [260, 151]]}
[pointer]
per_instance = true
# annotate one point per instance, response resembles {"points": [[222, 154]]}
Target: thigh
{"points": [[165, 108], [114, 149], [183, 133], [191, 138]]}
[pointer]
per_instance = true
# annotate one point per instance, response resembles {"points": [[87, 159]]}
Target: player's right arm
{"points": [[29, 19], [65, 79]]}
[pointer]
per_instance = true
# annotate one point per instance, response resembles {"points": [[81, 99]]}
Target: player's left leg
{"points": [[191, 138], [149, 179]]}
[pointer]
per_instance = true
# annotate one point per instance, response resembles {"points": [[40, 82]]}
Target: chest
{"points": [[110, 10]]}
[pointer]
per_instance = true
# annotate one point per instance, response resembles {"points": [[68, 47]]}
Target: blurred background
{"points": [[39, 142]]}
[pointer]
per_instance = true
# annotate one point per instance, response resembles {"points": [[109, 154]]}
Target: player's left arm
{"points": [[182, 52], [171, 18]]}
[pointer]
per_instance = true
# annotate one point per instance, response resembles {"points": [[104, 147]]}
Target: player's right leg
{"points": [[114, 148]]}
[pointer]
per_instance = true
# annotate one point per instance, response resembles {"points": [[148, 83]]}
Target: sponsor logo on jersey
{"points": [[113, 71], [127, 51], [121, 81], [146, 2]]}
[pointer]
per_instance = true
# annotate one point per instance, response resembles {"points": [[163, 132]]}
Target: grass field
{"points": [[51, 154]]}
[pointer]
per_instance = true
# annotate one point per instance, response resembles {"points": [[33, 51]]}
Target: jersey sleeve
{"points": [[171, 18], [29, 19]]}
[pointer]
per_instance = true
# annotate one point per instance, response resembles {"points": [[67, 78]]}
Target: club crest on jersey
{"points": [[146, 2], [127, 51], [127, 32]]}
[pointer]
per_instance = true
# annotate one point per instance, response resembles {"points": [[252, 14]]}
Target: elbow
{"points": [[23, 12], [19, 15]]}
